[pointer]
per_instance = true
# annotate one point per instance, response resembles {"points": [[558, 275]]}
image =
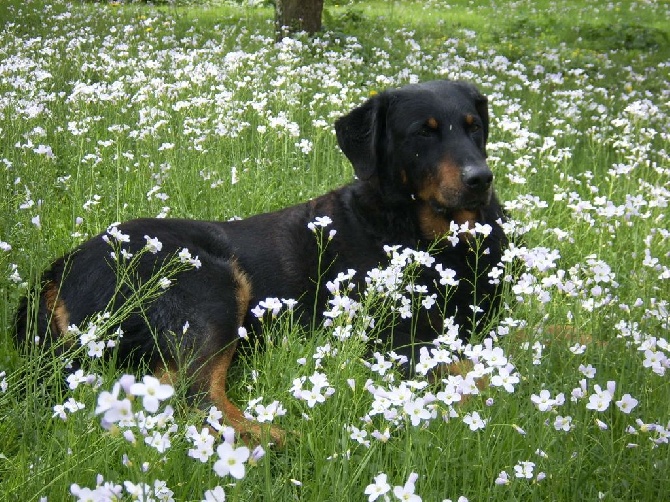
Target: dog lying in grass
{"points": [[419, 154]]}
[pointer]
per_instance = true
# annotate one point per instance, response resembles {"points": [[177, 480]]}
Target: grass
{"points": [[112, 112]]}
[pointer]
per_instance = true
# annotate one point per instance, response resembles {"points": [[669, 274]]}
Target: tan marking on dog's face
{"points": [[469, 119], [433, 225], [444, 190], [465, 216], [433, 123], [60, 318], [443, 187]]}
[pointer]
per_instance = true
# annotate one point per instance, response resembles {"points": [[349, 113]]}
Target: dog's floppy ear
{"points": [[359, 133]]}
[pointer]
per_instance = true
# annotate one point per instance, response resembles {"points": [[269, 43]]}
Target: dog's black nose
{"points": [[477, 178]]}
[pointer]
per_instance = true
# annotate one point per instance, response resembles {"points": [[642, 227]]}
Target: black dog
{"points": [[419, 155]]}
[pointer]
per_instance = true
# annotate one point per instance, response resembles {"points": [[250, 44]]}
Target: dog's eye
{"points": [[428, 128], [426, 131], [475, 128]]}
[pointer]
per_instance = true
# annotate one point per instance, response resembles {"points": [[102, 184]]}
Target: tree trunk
{"points": [[297, 15]]}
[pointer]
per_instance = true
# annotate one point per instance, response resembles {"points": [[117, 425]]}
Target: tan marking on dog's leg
{"points": [[218, 374], [247, 429], [243, 291], [60, 318], [166, 372]]}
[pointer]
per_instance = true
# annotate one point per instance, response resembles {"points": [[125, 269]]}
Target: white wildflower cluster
{"points": [[115, 238], [158, 430], [524, 469], [654, 349], [116, 408], [342, 307], [79, 377], [107, 490], [95, 336], [473, 368], [406, 492], [396, 281], [69, 406], [230, 459], [264, 413], [319, 391], [273, 306], [319, 224], [598, 400]]}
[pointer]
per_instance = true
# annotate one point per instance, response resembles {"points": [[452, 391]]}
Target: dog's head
{"points": [[424, 142]]}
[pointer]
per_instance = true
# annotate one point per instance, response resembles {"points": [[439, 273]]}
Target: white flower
{"points": [[305, 146], [231, 460], [115, 233], [95, 349], [153, 244], [626, 403], [203, 443], [543, 401], [505, 379], [588, 371], [502, 479], [185, 257], [153, 391], [447, 275], [406, 493], [215, 495], [319, 221], [378, 488], [118, 411], [60, 410], [416, 411], [159, 441], [600, 400], [563, 423], [474, 421], [524, 470]]}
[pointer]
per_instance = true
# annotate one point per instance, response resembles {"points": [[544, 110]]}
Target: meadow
{"points": [[112, 111]]}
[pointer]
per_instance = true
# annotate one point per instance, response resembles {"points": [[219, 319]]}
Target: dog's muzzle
{"points": [[477, 178]]}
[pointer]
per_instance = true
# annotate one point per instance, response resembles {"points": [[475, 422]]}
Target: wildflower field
{"points": [[109, 112]]}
